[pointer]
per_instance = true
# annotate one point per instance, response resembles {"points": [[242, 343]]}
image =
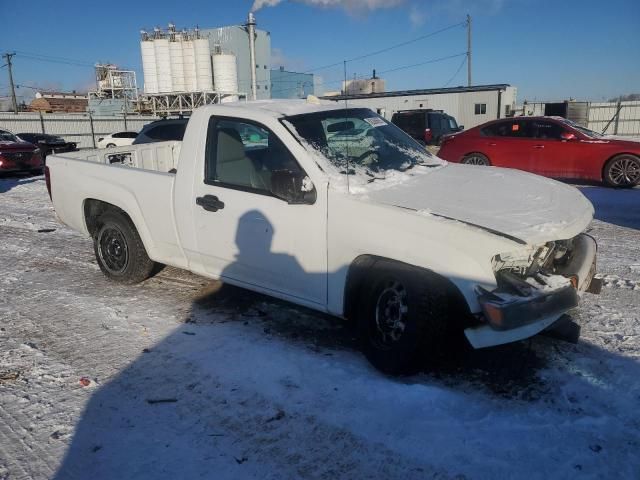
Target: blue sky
{"points": [[550, 50]]}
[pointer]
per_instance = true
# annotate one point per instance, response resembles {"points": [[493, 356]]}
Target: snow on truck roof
{"points": [[286, 108]]}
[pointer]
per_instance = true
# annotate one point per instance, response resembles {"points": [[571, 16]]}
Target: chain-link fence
{"points": [[83, 129]]}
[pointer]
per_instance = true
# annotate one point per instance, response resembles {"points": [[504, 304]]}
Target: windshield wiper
{"points": [[428, 165], [373, 179]]}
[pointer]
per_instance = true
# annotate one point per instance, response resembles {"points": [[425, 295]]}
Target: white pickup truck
{"points": [[338, 210]]}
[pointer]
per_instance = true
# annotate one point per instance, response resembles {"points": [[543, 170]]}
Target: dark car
{"points": [[426, 125], [550, 146], [49, 143], [162, 131], [18, 156]]}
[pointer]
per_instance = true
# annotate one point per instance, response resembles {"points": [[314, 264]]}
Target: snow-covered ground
{"points": [[187, 378]]}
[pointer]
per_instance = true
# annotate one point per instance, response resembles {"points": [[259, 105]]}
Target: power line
{"points": [[383, 50], [53, 57], [434, 60], [54, 60], [408, 42], [404, 67], [464, 60]]}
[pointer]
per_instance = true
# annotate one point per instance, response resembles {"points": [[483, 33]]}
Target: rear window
{"points": [[409, 120], [511, 128], [172, 131]]}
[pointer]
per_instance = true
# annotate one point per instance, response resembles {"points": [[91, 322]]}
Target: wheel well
{"points": [[606, 162], [358, 273], [478, 153], [93, 209]]}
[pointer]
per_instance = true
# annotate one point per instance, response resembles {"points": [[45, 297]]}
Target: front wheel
{"points": [[119, 250], [622, 171], [402, 318], [475, 159], [111, 145]]}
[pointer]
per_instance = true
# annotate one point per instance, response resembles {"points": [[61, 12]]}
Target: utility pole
{"points": [[13, 89], [468, 50]]}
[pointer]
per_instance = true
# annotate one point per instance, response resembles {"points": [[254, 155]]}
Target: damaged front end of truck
{"points": [[535, 287]]}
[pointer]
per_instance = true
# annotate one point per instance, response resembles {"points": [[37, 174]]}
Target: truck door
{"points": [[245, 234]]}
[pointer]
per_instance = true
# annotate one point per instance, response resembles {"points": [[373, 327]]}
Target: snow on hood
{"points": [[522, 205]]}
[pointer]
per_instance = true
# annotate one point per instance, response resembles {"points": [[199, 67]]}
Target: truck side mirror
{"points": [[295, 188]]}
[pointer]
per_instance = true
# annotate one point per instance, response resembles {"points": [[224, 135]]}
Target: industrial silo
{"points": [[177, 63], [225, 75], [163, 65], [189, 65], [202, 54], [149, 64]]}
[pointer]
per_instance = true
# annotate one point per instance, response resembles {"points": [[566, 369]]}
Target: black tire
{"points": [[111, 145], [119, 250], [622, 171], [420, 340], [476, 158]]}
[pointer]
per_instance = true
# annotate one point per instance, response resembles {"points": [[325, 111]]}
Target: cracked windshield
{"points": [[357, 141]]}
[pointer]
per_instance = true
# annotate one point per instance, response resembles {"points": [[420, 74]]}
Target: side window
{"points": [[480, 108], [245, 155], [435, 122], [547, 130], [129, 135], [400, 121], [500, 129], [511, 128]]}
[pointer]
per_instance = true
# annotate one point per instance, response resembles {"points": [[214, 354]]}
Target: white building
{"points": [[470, 106]]}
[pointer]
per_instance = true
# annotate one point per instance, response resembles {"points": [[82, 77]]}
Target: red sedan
{"points": [[18, 156], [550, 146]]}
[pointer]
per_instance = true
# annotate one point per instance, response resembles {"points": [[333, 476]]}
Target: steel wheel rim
{"points": [[625, 171], [391, 314], [113, 250], [475, 160]]}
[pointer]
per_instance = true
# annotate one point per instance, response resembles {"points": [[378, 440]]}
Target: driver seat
{"points": [[232, 165]]}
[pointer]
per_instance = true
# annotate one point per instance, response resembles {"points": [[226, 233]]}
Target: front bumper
{"points": [[526, 310], [23, 164]]}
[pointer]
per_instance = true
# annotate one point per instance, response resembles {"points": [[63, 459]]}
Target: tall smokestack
{"points": [[251, 29]]}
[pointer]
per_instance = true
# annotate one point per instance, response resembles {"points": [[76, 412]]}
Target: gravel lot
{"points": [[181, 377]]}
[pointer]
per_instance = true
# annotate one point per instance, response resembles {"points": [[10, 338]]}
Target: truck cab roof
{"points": [[277, 108]]}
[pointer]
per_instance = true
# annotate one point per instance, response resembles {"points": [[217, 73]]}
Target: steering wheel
{"points": [[368, 154]]}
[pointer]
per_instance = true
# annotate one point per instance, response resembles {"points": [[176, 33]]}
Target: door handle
{"points": [[210, 203], [538, 146], [492, 144]]}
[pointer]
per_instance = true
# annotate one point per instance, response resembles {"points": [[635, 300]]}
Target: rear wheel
{"points": [[475, 159], [402, 317], [622, 171], [119, 250]]}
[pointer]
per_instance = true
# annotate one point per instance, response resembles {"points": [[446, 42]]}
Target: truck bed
{"points": [[138, 179], [159, 157]]}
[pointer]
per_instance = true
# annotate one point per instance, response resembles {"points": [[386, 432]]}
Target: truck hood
{"points": [[16, 146], [526, 207]]}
